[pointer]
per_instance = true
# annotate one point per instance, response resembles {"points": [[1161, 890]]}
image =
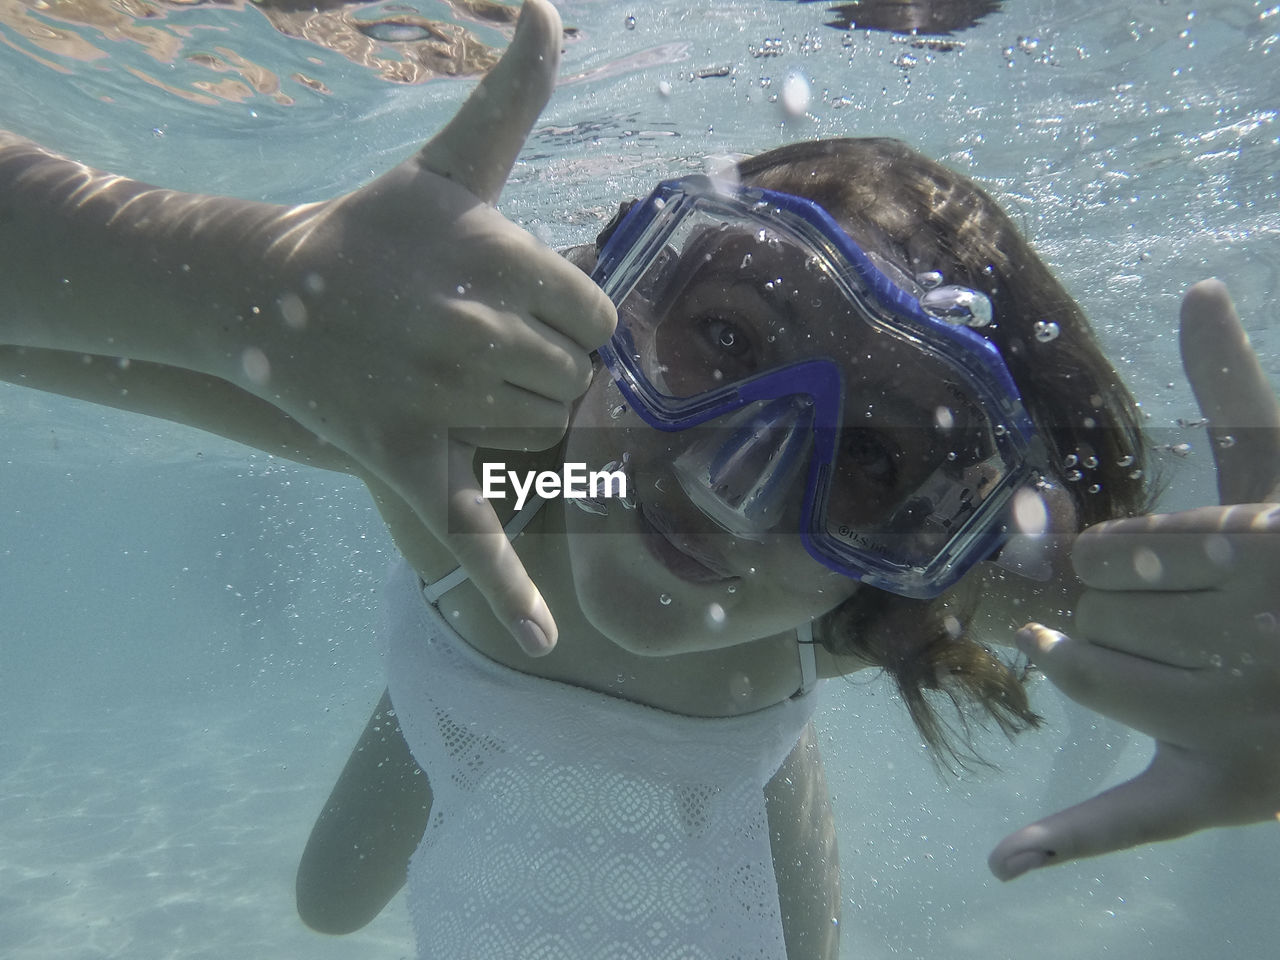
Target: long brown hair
{"points": [[921, 216]]}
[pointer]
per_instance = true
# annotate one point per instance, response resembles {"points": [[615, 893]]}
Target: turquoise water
{"points": [[186, 655]]}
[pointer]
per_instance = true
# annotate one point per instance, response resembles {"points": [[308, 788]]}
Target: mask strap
{"points": [[808, 660]]}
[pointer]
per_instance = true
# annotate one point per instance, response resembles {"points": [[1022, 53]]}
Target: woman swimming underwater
{"points": [[828, 395]]}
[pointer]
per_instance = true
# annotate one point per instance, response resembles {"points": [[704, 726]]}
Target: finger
{"points": [[1190, 550], [480, 144], [1169, 799], [1233, 393], [1208, 629], [474, 535], [506, 345], [545, 429], [567, 300], [544, 361], [1160, 700]]}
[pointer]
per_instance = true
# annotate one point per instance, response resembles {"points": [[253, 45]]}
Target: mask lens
{"points": [[812, 386], [913, 465], [743, 471], [724, 303]]}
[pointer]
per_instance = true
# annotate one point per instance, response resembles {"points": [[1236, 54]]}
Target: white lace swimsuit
{"points": [[571, 825]]}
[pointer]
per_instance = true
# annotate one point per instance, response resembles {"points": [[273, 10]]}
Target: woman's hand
{"points": [[504, 326], [404, 324], [1178, 631]]}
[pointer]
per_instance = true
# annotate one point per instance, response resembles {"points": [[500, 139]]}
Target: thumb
{"points": [[480, 144], [1233, 393], [1167, 800]]}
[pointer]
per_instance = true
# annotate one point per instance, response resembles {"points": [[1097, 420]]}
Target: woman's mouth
{"points": [[686, 559]]}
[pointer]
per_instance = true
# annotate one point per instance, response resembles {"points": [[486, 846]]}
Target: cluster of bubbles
{"points": [[1034, 48], [1077, 467], [769, 47]]}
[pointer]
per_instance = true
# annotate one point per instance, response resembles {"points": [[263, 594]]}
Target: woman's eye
{"points": [[871, 455], [726, 337]]}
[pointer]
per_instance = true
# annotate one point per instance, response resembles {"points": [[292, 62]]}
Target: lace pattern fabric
{"points": [[570, 824]]}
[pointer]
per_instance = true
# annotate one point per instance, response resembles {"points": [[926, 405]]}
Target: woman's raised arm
{"points": [[1177, 633], [403, 324]]}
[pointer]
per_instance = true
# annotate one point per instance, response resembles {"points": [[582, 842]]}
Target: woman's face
{"points": [[663, 577]]}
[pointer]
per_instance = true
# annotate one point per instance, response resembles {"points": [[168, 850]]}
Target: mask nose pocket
{"points": [[741, 471]]}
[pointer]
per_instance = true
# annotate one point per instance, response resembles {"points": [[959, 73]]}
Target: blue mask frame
{"points": [[642, 237]]}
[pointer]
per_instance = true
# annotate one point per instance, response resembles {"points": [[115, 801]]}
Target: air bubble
{"points": [[1125, 462], [1225, 442], [256, 366], [1070, 460], [665, 599], [795, 95], [958, 305], [1147, 565], [1030, 514], [1218, 550], [392, 31], [1090, 463], [293, 310], [629, 23], [1046, 331]]}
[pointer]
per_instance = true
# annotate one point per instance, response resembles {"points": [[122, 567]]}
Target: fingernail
{"points": [[1020, 863], [1025, 640], [531, 638], [1036, 638]]}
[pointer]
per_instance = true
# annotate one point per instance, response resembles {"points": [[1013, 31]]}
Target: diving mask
{"points": [[820, 396]]}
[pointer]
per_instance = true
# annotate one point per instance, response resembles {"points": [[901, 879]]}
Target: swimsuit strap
{"points": [[434, 591]]}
